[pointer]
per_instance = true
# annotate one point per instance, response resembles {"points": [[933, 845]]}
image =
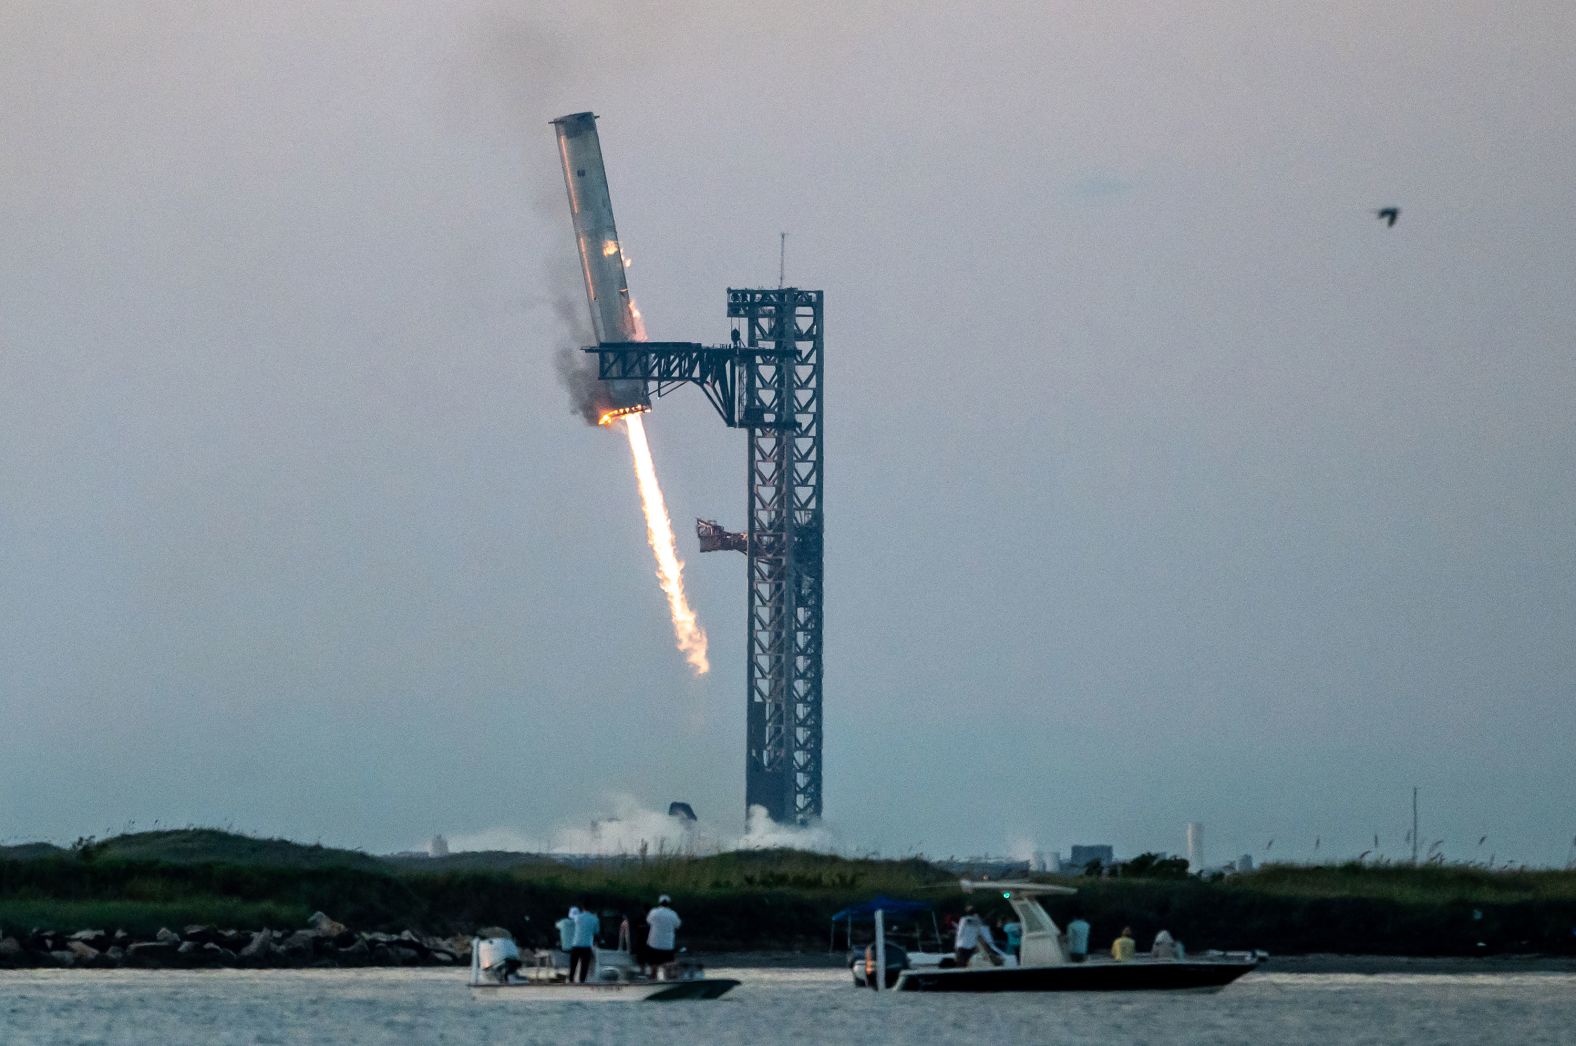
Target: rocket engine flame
{"points": [[688, 633], [612, 414]]}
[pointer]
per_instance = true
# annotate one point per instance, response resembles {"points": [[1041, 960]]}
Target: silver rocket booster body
{"points": [[613, 316]]}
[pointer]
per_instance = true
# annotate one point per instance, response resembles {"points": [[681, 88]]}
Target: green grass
{"points": [[210, 846], [1405, 884], [143, 918]]}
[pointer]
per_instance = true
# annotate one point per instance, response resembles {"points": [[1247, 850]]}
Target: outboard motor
{"points": [[896, 963], [498, 958]]}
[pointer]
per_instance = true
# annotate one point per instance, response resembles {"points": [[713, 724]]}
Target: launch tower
{"points": [[767, 382]]}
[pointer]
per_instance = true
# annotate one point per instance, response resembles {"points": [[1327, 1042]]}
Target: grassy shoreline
{"points": [[760, 901]]}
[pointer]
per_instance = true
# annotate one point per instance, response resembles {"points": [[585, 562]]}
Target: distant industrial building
{"points": [[439, 847], [1082, 856], [1195, 847]]}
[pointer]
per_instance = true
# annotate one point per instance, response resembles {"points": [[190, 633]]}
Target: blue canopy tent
{"points": [[889, 905]]}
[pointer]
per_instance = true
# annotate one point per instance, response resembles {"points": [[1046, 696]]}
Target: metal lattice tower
{"points": [[782, 409], [768, 382]]}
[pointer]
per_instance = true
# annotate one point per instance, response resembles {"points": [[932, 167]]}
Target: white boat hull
{"points": [[620, 991]]}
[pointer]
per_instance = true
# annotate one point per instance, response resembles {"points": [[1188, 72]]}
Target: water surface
{"points": [[775, 1005]]}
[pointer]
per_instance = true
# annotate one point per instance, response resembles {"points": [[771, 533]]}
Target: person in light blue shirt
{"points": [[581, 956], [1078, 938], [1013, 931]]}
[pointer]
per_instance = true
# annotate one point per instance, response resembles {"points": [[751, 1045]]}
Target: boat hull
{"points": [[608, 991], [1201, 975]]}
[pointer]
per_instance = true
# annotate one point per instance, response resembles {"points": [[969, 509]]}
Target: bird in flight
{"points": [[1389, 214]]}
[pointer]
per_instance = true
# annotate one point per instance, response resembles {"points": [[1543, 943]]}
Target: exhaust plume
{"points": [[690, 637]]}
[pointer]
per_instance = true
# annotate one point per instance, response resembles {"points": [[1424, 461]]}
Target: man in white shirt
{"points": [[566, 930], [972, 932], [661, 943]]}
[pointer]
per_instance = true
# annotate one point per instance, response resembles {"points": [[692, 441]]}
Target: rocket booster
{"points": [[613, 316]]}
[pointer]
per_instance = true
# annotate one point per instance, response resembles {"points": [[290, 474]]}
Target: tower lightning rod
{"points": [[782, 258]]}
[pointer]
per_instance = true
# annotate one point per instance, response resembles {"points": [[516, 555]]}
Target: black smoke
{"points": [[577, 370]]}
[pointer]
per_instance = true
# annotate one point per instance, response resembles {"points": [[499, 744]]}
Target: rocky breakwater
{"points": [[322, 943]]}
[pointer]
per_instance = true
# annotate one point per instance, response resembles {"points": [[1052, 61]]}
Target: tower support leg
{"points": [[781, 407]]}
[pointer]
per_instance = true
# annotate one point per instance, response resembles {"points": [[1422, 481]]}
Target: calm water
{"points": [[813, 1006]]}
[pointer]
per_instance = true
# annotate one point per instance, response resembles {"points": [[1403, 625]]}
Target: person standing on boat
{"points": [[566, 930], [581, 954], [661, 938], [1165, 946], [1124, 947], [972, 932], [1078, 938]]}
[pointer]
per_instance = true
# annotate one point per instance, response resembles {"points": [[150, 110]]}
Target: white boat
{"points": [[1042, 964], [498, 972]]}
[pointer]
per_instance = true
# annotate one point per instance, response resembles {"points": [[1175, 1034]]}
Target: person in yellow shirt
{"points": [[1124, 947]]}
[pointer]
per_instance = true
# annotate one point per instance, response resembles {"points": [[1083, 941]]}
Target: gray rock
{"points": [[82, 950], [115, 954], [299, 945], [357, 953], [167, 936], [191, 953], [260, 947], [11, 952], [325, 926], [64, 958], [152, 953], [441, 957], [217, 953]]}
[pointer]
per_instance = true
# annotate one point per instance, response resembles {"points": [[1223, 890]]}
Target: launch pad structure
{"points": [[767, 382]]}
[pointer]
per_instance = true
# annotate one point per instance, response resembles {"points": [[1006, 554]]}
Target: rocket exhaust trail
{"points": [[687, 632]]}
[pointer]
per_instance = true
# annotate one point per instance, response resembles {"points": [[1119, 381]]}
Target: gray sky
{"points": [[1164, 483]]}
